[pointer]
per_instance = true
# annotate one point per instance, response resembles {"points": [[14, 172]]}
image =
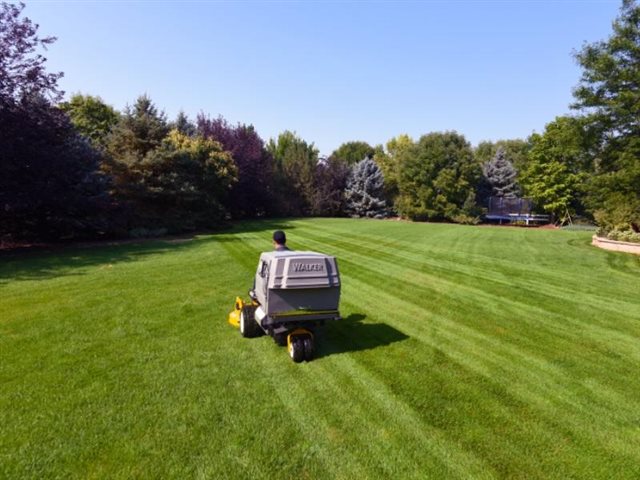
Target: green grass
{"points": [[465, 352]]}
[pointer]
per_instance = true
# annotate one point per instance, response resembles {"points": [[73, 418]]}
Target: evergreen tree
{"points": [[141, 129], [295, 162], [139, 132], [183, 125], [501, 175], [365, 189]]}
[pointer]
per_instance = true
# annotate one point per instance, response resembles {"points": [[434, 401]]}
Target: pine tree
{"points": [[364, 192], [183, 125], [140, 130], [501, 174]]}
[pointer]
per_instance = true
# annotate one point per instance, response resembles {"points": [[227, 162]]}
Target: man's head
{"points": [[279, 238]]}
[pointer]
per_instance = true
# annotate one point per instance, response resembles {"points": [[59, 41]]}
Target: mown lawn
{"points": [[465, 352]]}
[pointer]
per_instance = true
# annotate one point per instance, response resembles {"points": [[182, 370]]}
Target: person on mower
{"points": [[280, 241], [279, 245]]}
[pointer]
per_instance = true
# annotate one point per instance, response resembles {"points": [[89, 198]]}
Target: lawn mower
{"points": [[293, 294]]}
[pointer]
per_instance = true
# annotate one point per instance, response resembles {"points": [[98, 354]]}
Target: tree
{"points": [[516, 150], [22, 71], [353, 152], [183, 125], [140, 130], [501, 175], [295, 162], [251, 196], [91, 117], [609, 94], [389, 164], [330, 181], [559, 161], [50, 186], [437, 178], [183, 184], [364, 190]]}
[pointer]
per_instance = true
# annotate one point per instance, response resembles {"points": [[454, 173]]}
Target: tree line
{"points": [[81, 169]]}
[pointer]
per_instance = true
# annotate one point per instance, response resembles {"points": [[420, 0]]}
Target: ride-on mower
{"points": [[294, 292]]}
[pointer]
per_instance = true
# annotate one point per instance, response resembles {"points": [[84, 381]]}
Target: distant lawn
{"points": [[466, 352]]}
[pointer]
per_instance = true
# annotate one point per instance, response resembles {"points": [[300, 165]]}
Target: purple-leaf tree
{"points": [[330, 179], [50, 187], [251, 196], [22, 72]]}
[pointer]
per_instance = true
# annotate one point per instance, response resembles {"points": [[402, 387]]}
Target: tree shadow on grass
{"points": [[60, 261], [351, 334], [44, 262]]}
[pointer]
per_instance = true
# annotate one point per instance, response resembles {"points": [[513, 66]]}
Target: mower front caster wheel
{"points": [[301, 348], [296, 349]]}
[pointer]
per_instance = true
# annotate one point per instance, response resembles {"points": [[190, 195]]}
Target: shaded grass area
{"points": [[464, 353]]}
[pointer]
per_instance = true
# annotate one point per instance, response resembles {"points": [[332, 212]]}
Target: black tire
{"points": [[308, 349], [296, 350], [249, 328]]}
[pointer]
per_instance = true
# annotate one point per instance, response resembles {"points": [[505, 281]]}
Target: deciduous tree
{"points": [[437, 178], [22, 70], [388, 162], [91, 117], [353, 152], [50, 186], [251, 195], [559, 161], [183, 184], [609, 93], [330, 181]]}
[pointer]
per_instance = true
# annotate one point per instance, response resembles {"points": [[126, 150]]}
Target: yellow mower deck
{"points": [[234, 315]]}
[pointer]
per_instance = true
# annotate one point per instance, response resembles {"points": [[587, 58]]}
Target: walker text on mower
{"points": [[294, 293]]}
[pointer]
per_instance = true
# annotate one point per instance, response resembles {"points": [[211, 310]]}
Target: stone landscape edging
{"points": [[615, 245]]}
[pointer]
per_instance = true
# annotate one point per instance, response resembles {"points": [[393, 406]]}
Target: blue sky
{"points": [[332, 71]]}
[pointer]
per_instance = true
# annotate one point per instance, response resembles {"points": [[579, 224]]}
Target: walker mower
{"points": [[294, 292]]}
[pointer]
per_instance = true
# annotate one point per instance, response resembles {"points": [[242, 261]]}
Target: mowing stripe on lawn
{"points": [[464, 352]]}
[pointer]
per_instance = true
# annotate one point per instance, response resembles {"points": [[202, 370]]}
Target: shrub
{"points": [[623, 235]]}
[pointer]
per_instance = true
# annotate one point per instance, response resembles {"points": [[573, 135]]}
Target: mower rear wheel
{"points": [[248, 326], [308, 349], [296, 349]]}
